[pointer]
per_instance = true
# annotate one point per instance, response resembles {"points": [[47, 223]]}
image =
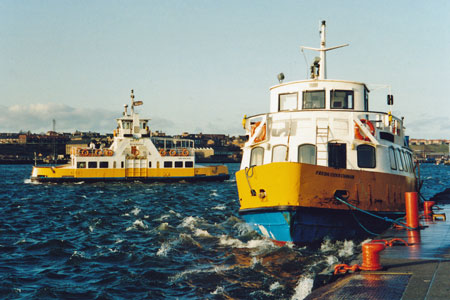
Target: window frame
{"points": [[315, 153], [347, 93], [286, 152], [102, 165], [392, 158], [188, 164], [359, 159], [251, 156], [168, 165], [178, 164], [314, 91], [91, 164], [284, 94]]}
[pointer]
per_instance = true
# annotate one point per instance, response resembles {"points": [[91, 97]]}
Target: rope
{"points": [[246, 171], [386, 219]]}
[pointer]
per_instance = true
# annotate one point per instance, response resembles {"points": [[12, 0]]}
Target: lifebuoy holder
{"points": [[358, 134]]}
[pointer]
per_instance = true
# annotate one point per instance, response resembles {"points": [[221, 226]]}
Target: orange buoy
{"points": [[173, 152], [85, 152], [412, 210], [371, 256], [185, 152], [98, 152], [162, 152], [358, 134]]}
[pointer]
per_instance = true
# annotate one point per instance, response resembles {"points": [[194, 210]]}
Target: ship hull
{"points": [[295, 202], [304, 225], [66, 174]]}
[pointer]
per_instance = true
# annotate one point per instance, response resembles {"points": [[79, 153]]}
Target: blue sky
{"points": [[199, 66]]}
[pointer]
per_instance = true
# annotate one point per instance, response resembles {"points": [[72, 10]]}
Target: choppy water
{"points": [[150, 241]]}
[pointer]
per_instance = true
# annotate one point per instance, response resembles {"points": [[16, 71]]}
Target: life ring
{"points": [[358, 134], [108, 152], [136, 152], [99, 152], [184, 152], [162, 152], [84, 152], [173, 152], [262, 135]]}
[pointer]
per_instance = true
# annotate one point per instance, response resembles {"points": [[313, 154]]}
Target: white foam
{"points": [[202, 233], [164, 249], [163, 226], [252, 244], [347, 249], [274, 286], [136, 211], [220, 207], [303, 288], [331, 260], [220, 290], [138, 224], [189, 222]]}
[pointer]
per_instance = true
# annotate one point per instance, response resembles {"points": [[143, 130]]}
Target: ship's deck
{"points": [[419, 271]]}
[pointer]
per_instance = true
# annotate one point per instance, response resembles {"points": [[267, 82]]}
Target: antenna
{"points": [[323, 50]]}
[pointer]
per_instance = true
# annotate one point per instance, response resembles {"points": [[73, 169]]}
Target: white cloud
{"points": [[38, 118]]}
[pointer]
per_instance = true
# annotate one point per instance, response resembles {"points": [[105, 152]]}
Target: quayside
{"points": [[134, 155], [320, 140]]}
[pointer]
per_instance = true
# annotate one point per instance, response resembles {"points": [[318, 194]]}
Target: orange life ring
{"points": [[98, 152], [84, 152], [184, 152], [173, 152], [262, 135], [108, 152], [162, 152], [358, 134]]}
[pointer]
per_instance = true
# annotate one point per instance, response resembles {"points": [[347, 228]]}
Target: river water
{"points": [[151, 241]]}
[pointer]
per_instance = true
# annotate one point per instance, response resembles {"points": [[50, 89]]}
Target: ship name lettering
{"points": [[322, 173]]}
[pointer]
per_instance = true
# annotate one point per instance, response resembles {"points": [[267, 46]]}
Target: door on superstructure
{"points": [[337, 155]]}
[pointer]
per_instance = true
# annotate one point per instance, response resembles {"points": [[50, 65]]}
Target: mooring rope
{"points": [[386, 219]]}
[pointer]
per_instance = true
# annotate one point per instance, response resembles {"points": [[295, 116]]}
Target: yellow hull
{"points": [[288, 184], [66, 173]]}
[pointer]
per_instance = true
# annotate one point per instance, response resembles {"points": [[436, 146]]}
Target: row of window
{"points": [[105, 164], [339, 99], [337, 156]]}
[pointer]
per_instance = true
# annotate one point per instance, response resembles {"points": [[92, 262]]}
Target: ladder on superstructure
{"points": [[322, 134]]}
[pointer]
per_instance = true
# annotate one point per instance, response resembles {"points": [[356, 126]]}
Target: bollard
{"points": [[412, 210], [371, 256], [428, 208], [413, 237]]}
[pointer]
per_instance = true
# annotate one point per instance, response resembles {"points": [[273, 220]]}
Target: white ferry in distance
{"points": [[134, 155], [320, 157]]}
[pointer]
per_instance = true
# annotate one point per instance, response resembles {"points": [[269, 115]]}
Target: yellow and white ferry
{"points": [[134, 155], [320, 162]]}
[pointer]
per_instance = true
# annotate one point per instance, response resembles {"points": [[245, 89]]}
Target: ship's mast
{"points": [[323, 50]]}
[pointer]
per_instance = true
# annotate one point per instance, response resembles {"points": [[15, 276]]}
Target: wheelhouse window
{"points": [[341, 99], [257, 156], [337, 155], [313, 99], [287, 101], [392, 159], [167, 164], [178, 164], [92, 164], [188, 164], [279, 153], [307, 154], [104, 165], [366, 156]]}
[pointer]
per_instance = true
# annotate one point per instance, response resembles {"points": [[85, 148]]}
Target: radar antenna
{"points": [[322, 74]]}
